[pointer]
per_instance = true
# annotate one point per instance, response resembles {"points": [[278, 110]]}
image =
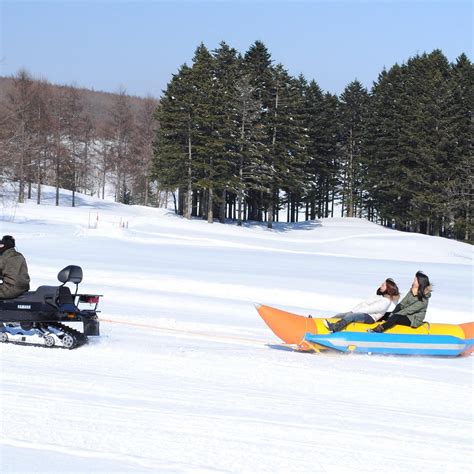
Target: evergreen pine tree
{"points": [[329, 150], [315, 164], [353, 112], [226, 94], [426, 128], [173, 164], [386, 176], [258, 64], [207, 143], [251, 140], [293, 143], [460, 186]]}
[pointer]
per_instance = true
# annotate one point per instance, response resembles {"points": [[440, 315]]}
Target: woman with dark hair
{"points": [[368, 311], [411, 311]]}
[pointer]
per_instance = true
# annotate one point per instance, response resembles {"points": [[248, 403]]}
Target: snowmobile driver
{"points": [[13, 270]]}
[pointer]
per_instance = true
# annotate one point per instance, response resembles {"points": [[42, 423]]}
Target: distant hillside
{"points": [[97, 103]]}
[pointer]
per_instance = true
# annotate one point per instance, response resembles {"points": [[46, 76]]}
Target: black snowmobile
{"points": [[37, 317]]}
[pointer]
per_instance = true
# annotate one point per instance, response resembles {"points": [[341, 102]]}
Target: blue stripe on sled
{"points": [[383, 343]]}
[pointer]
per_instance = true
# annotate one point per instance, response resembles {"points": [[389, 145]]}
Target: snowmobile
{"points": [[38, 317]]}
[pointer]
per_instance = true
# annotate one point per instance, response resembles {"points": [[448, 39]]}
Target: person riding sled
{"points": [[13, 270], [411, 311], [368, 311]]}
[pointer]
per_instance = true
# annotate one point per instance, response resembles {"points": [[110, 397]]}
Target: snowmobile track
{"points": [[78, 338]]}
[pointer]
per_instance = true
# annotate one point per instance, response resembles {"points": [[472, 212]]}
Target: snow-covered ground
{"points": [[187, 378]]}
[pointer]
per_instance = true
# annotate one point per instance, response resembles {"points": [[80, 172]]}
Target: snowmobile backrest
{"points": [[64, 296], [65, 300], [72, 273]]}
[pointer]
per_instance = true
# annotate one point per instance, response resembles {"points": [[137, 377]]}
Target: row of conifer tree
{"points": [[242, 139]]}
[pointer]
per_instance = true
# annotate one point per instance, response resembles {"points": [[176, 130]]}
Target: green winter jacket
{"points": [[14, 273], [413, 308]]}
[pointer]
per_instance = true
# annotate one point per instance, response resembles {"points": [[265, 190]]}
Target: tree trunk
{"points": [[194, 208], [210, 206], [174, 202], [74, 176], [239, 205], [333, 197], [38, 181], [21, 173], [272, 186], [222, 207], [181, 199], [467, 231], [190, 186], [343, 203], [147, 184], [57, 169], [350, 194], [240, 192], [270, 213]]}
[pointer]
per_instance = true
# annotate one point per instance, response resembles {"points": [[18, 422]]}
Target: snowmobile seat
{"points": [[39, 304], [42, 294], [59, 296]]}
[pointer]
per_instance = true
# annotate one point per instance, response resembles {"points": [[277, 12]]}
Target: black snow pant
{"points": [[395, 319]]}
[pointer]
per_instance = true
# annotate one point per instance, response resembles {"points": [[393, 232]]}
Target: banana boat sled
{"points": [[310, 334]]}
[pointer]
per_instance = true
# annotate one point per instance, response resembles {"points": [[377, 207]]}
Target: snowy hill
{"points": [[183, 378]]}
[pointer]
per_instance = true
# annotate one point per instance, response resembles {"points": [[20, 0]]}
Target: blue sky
{"points": [[137, 45]]}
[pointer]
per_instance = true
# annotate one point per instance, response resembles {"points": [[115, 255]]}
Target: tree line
{"points": [[242, 139], [61, 136], [235, 136]]}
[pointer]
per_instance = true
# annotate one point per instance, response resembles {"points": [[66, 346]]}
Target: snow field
{"points": [[187, 378]]}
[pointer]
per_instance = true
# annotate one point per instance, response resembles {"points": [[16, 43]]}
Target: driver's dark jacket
{"points": [[13, 273]]}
